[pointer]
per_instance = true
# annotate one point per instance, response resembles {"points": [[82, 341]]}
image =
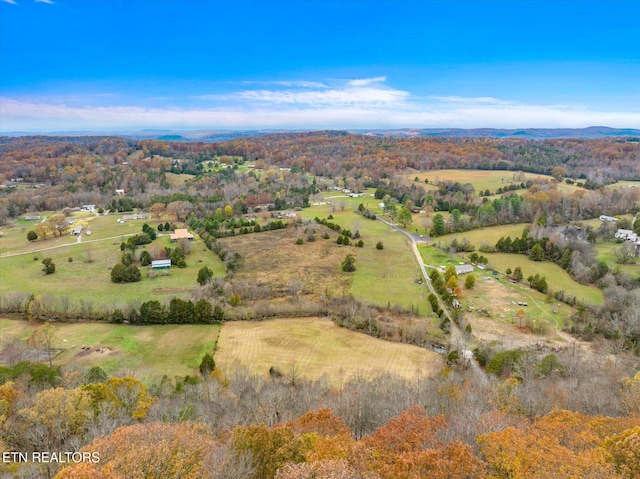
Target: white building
{"points": [[464, 269], [627, 235]]}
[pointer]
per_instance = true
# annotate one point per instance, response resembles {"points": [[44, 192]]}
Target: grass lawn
{"points": [[146, 351], [499, 295], [317, 347], [607, 253], [557, 278], [91, 280]]}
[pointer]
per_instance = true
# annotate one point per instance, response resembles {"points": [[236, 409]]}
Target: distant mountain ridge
{"points": [[217, 135], [524, 133]]}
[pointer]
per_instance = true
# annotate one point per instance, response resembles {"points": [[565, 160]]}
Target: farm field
{"points": [[382, 276], [317, 347], [147, 351], [89, 270], [483, 179]]}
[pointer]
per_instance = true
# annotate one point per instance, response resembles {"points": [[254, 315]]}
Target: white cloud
{"points": [[12, 2], [471, 101], [350, 92], [304, 105], [366, 81], [293, 83], [20, 115], [49, 2]]}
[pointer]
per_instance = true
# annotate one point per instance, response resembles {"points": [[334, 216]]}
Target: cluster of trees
{"points": [[338, 154], [179, 311], [241, 425]]}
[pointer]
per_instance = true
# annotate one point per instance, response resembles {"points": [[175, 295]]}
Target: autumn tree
{"points": [[469, 281], [153, 451], [271, 448], [42, 339], [158, 210], [56, 416]]}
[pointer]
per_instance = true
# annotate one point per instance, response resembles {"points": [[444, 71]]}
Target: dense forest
{"points": [[456, 424]]}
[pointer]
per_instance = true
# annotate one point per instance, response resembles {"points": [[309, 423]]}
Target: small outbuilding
{"points": [[161, 264]]}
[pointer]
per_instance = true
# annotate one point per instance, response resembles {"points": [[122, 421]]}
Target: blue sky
{"points": [[98, 64]]}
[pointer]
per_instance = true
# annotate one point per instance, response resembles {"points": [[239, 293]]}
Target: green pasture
{"points": [[145, 351], [483, 295], [607, 253], [487, 236], [481, 179], [88, 275], [557, 278], [382, 276]]}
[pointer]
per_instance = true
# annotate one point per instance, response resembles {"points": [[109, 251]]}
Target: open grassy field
{"points": [[607, 253], [176, 180], [87, 276], [382, 276], [146, 351], [482, 179], [272, 258], [557, 278], [488, 236], [498, 294], [316, 347]]}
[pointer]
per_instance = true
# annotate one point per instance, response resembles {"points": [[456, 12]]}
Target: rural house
{"points": [[181, 234], [627, 235]]}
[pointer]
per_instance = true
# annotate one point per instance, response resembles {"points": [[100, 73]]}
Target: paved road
{"points": [[65, 245], [457, 338]]}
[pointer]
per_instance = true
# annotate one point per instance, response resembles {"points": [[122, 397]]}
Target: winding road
{"points": [[457, 340]]}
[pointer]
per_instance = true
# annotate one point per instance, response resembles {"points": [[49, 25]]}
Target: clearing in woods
{"points": [[484, 179], [146, 351], [314, 347]]}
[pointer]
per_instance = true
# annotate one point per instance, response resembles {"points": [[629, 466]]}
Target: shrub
{"points": [[49, 266], [349, 264], [379, 245], [204, 275], [299, 241], [32, 236]]}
